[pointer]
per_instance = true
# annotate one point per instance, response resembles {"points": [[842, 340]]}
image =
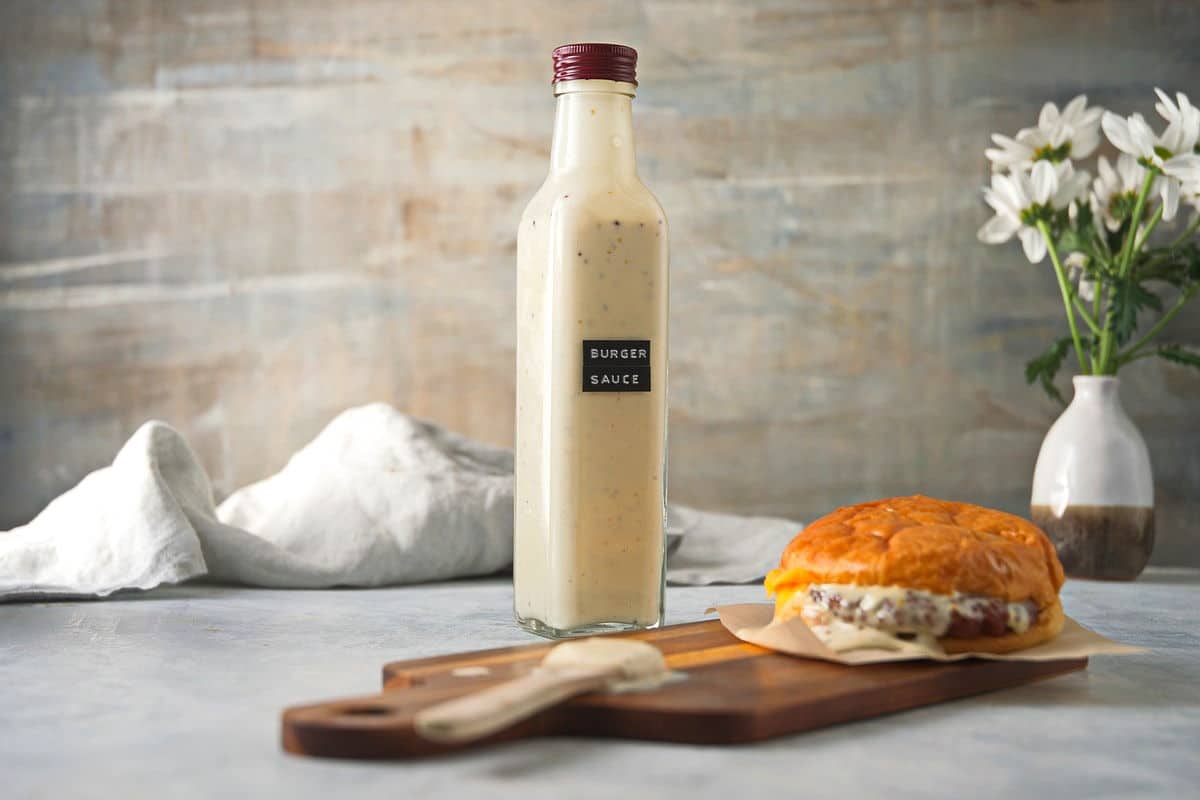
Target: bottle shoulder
{"points": [[539, 202], [588, 197]]}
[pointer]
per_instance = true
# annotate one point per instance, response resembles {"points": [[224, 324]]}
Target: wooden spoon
{"points": [[569, 669]]}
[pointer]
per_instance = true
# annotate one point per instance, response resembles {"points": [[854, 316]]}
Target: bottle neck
{"points": [[593, 127], [1097, 389]]}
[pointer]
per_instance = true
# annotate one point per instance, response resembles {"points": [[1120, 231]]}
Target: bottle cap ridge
{"points": [[595, 61]]}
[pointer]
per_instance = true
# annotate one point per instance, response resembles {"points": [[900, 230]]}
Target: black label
{"points": [[616, 365]]}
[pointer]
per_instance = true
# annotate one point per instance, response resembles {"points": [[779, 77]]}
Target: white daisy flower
{"points": [[1115, 191], [1173, 153], [1072, 133], [1183, 125], [1071, 185], [1083, 122], [1022, 199], [1181, 137]]}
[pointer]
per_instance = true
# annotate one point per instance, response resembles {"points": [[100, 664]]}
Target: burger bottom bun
{"points": [[1049, 622]]}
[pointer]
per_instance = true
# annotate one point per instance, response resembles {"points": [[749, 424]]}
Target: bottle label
{"points": [[616, 365]]}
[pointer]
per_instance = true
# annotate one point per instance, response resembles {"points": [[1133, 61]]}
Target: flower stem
{"points": [[1165, 253], [1130, 353], [1135, 219], [1188, 231], [1066, 293], [1150, 226], [1138, 357], [1087, 316], [1105, 365]]}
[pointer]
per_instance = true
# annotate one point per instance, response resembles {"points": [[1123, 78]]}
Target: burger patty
{"points": [[898, 610]]}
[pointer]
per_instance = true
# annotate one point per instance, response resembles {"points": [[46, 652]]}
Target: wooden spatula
{"points": [[569, 669]]}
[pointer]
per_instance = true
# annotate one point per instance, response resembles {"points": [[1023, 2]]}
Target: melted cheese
{"points": [[874, 612]]}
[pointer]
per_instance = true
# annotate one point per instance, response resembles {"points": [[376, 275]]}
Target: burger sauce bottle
{"points": [[590, 488]]}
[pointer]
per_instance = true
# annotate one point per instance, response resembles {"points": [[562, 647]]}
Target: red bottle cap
{"points": [[594, 61]]}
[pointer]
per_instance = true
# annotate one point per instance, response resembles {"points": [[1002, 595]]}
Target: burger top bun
{"points": [[926, 544]]}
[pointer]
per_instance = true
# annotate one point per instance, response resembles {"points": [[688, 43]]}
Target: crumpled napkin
{"points": [[377, 498]]}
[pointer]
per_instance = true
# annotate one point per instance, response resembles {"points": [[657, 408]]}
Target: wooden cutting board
{"points": [[734, 692]]}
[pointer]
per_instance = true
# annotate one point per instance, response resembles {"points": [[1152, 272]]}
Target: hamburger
{"points": [[970, 578]]}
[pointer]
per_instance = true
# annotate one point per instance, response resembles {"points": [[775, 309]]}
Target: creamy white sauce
{"points": [[1019, 618], [590, 466], [872, 613], [647, 684], [640, 665], [841, 637]]}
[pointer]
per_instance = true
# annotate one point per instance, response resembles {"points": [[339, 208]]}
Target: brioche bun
{"points": [[929, 545]]}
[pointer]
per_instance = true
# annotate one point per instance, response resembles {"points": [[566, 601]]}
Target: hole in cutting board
{"points": [[366, 711]]}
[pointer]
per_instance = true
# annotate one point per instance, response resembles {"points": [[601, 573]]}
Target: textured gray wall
{"points": [[242, 217]]}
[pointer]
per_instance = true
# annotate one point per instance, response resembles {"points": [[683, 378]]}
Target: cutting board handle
{"points": [[483, 713]]}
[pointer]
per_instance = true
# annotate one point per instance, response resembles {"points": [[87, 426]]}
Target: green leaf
{"points": [[1083, 216], [1180, 354], [1122, 315], [1129, 297], [1190, 255], [1177, 266], [1043, 368], [1073, 241], [1144, 298], [1160, 265]]}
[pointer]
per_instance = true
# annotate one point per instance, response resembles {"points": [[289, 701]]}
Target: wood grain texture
{"points": [[244, 217], [733, 693]]}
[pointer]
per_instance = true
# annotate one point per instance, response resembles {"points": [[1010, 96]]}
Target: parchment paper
{"points": [[753, 623]]}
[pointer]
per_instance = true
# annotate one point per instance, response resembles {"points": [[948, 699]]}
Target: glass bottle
{"points": [[590, 489]]}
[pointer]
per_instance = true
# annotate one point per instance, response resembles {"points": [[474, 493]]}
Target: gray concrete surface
{"points": [[177, 693]]}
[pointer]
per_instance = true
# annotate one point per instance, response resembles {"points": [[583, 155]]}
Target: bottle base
{"points": [[539, 628], [1100, 542]]}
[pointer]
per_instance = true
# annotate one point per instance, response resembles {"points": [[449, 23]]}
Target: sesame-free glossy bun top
{"points": [[922, 543]]}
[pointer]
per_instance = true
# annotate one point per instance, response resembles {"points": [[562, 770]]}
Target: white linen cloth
{"points": [[377, 498]]}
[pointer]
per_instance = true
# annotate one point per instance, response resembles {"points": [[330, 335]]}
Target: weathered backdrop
{"points": [[244, 216]]}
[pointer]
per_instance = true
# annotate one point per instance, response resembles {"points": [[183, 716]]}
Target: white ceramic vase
{"points": [[1093, 491]]}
